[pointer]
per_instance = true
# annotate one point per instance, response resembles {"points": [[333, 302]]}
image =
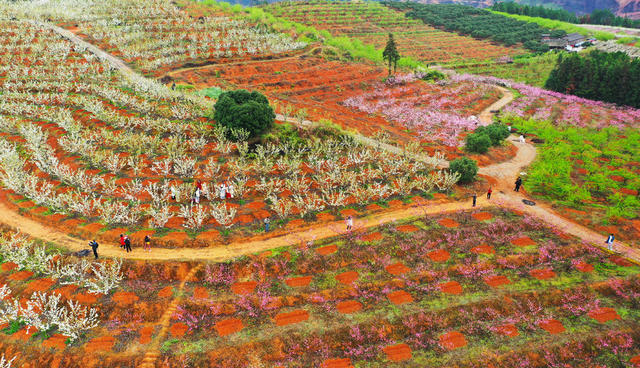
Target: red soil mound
{"points": [[145, 335], [552, 326], [508, 330], [166, 292], [523, 242], [483, 249], [298, 281], [452, 340], [439, 255], [448, 223], [398, 353], [372, 237], [296, 316], [39, 285], [407, 228], [603, 315], [400, 297], [8, 266], [57, 341], [124, 298], [349, 306], [229, 326], [495, 281], [104, 343], [347, 277], [397, 269], [175, 239], [482, 216], [542, 274], [243, 288], [323, 251], [20, 275], [24, 334], [178, 329], [87, 298], [451, 287], [584, 267], [200, 293], [337, 363]]}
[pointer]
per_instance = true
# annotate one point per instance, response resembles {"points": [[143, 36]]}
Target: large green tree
{"points": [[391, 54], [246, 110]]}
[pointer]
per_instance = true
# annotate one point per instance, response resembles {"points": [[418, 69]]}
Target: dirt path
{"points": [[226, 252], [114, 61]]}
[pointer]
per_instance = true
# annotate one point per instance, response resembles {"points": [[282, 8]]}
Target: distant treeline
{"points": [[598, 16], [598, 75], [478, 23]]}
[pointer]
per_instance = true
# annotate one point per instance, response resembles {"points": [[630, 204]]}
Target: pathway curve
{"points": [[505, 172]]}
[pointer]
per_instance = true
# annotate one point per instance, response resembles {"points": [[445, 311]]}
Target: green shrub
{"points": [[497, 132], [478, 142], [211, 92], [246, 110], [466, 167]]}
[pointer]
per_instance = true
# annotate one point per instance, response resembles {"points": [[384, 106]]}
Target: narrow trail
{"points": [[505, 173], [114, 61], [152, 354]]}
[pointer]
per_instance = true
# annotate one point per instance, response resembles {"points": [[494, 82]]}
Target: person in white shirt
{"points": [[223, 191]]}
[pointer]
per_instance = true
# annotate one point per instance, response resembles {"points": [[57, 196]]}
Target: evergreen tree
{"points": [[390, 53]]}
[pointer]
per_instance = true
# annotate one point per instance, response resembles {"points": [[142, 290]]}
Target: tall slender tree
{"points": [[390, 53]]}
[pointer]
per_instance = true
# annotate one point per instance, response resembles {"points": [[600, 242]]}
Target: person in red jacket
{"points": [[489, 193], [121, 240]]}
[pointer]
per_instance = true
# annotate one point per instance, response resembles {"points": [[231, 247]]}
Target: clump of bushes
{"points": [[486, 136], [246, 110], [466, 167]]}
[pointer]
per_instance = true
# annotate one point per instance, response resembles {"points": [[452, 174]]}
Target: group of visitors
{"points": [[225, 190]]}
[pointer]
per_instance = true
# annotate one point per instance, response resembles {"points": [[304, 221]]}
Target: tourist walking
{"points": [[609, 241], [227, 190], [231, 190], [174, 193], [475, 197], [94, 246], [127, 244], [349, 223], [147, 243], [121, 240], [196, 196], [223, 191], [518, 184], [489, 193], [521, 139], [205, 190], [267, 221]]}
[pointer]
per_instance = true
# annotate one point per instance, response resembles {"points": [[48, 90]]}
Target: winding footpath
{"points": [[505, 174]]}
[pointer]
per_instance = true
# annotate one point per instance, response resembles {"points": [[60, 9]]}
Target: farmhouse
{"points": [[572, 39]]}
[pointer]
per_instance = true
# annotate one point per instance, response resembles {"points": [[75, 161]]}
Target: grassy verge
{"points": [[556, 24]]}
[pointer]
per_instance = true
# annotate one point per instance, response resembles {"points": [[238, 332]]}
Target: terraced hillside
{"points": [[371, 23]]}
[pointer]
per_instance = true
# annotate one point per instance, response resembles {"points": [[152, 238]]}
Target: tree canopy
{"points": [[391, 54], [598, 75], [246, 110]]}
